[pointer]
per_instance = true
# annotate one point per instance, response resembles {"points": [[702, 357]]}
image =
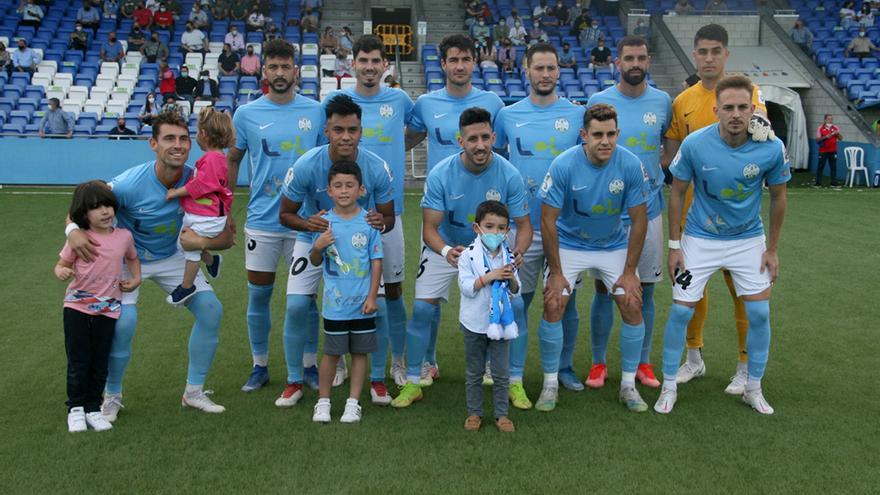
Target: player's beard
{"points": [[634, 78], [542, 93], [274, 89]]}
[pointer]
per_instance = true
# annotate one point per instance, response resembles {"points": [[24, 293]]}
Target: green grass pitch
{"points": [[823, 437]]}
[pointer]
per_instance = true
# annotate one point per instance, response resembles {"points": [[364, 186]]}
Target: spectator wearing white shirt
{"points": [[31, 14], [235, 40], [192, 40], [198, 17]]}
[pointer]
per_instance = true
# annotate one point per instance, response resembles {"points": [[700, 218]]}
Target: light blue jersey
{"points": [[384, 119], [274, 136], [455, 191], [593, 199], [727, 183], [153, 221], [347, 266], [643, 122], [437, 113], [306, 183], [536, 135]]}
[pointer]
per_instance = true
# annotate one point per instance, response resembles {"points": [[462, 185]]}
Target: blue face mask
{"points": [[492, 241]]}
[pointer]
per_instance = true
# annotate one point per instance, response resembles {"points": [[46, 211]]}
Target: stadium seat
{"points": [[56, 92], [72, 106], [19, 117], [13, 128], [80, 93], [110, 68], [94, 106]]}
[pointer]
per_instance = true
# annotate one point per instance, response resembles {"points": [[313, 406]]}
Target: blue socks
{"points": [[259, 320], [418, 333], [570, 321], [519, 346], [120, 350], [396, 325], [758, 338], [377, 359], [550, 338], [296, 329], [601, 321], [431, 352], [311, 345], [674, 337], [205, 335], [648, 319], [631, 346]]}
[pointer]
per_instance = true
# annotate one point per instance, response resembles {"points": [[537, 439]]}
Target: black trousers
{"points": [[87, 340]]}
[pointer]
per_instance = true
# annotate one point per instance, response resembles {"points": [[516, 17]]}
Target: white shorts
{"points": [[263, 249], [435, 275], [209, 227], [604, 265], [651, 262], [393, 261], [703, 257], [168, 273], [303, 277]]}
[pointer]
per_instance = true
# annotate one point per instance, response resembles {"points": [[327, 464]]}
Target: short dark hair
{"points": [[631, 40], [342, 105], [474, 115], [734, 82], [600, 112], [345, 167], [826, 116], [711, 32], [540, 47], [493, 207], [88, 196], [460, 41], [368, 43], [168, 118], [278, 48], [56, 101]]}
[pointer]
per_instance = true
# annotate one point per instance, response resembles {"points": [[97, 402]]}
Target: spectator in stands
{"points": [[329, 42], [346, 40], [153, 5], [309, 22], [589, 37], [234, 39], [250, 63], [600, 57], [506, 56], [121, 130], [136, 40], [192, 40], [256, 22], [486, 13], [539, 9], [861, 46], [549, 22], [561, 12], [143, 16], [342, 68], [716, 6], [163, 18], [112, 50], [566, 57], [207, 88], [220, 9], [315, 5], [537, 33], [487, 55], [865, 16], [480, 31], [827, 136], [5, 60], [149, 111], [513, 17], [88, 16], [801, 35], [580, 23], [500, 31], [31, 14], [111, 9], [644, 30], [78, 39], [517, 33], [230, 63], [127, 8], [239, 10], [684, 7], [167, 85], [55, 121], [170, 105], [173, 7], [848, 15], [472, 12], [198, 17], [155, 50], [185, 85], [24, 59]]}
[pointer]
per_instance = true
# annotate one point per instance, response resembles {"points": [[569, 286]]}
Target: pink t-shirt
{"points": [[95, 287], [209, 195]]}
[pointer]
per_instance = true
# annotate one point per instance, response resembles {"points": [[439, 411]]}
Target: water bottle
{"points": [[876, 182]]}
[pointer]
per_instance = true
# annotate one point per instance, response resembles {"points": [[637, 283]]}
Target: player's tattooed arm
{"points": [[190, 241]]}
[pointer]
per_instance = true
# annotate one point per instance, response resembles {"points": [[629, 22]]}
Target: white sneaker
{"points": [[341, 373], [429, 372], [352, 412], [738, 382], [688, 372], [202, 402], [756, 399], [487, 375], [398, 372], [111, 406], [76, 420], [666, 401], [379, 394], [322, 412], [98, 422]]}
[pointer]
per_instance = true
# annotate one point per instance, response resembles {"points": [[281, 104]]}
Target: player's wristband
{"points": [[70, 228], [673, 244], [445, 250]]}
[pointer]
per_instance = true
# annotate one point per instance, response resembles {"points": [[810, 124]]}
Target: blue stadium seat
{"points": [[7, 104], [22, 117], [88, 118], [13, 128], [33, 129]]}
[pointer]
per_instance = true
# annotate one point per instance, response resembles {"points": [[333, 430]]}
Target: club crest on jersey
{"points": [[305, 124], [359, 240], [288, 178], [547, 184], [649, 118], [493, 195], [386, 111], [561, 125], [751, 171], [615, 186]]}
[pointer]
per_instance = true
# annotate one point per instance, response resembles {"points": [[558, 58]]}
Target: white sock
{"points": [[351, 400], [261, 360], [108, 395], [694, 356], [753, 384], [193, 390], [741, 366], [669, 382], [310, 359], [627, 380], [413, 379], [551, 380], [515, 379], [324, 400]]}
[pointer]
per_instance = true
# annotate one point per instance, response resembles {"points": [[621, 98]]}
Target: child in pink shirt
{"points": [[206, 198], [93, 301]]}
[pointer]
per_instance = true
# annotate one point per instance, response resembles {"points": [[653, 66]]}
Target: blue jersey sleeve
{"points": [[298, 182], [433, 197], [383, 192], [682, 167], [779, 172], [636, 185], [553, 189], [518, 201], [415, 121], [238, 120]]}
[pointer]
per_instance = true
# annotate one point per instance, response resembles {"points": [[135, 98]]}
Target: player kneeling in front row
{"points": [[724, 230], [351, 252], [488, 280]]}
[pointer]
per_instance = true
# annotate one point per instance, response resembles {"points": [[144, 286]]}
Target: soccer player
{"points": [[385, 114], [274, 131], [155, 225], [724, 230], [534, 131], [453, 189], [303, 206], [691, 111], [644, 114], [584, 193], [436, 116]]}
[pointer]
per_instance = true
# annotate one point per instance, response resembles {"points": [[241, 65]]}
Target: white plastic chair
{"points": [[328, 62], [105, 81], [72, 106], [855, 162], [63, 79], [309, 71], [59, 92], [94, 106], [199, 105], [100, 94], [310, 49], [41, 79], [80, 93], [134, 58], [110, 68]]}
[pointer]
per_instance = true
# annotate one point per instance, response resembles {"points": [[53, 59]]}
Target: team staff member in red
{"points": [[827, 136]]}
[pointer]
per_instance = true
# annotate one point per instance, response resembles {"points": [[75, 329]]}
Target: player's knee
{"points": [[631, 311], [207, 309], [758, 313], [298, 306], [552, 313]]}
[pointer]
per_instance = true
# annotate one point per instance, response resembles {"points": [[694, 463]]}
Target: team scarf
{"points": [[501, 321]]}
